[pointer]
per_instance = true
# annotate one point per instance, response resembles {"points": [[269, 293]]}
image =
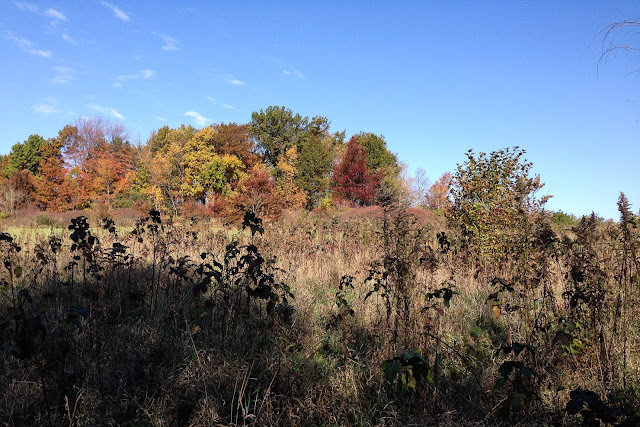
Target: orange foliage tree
{"points": [[53, 186], [438, 195], [109, 170], [259, 194]]}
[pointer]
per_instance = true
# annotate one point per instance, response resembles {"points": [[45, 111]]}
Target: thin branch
{"points": [[608, 44]]}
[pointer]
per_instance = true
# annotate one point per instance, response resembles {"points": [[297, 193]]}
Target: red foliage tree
{"points": [[352, 180]]}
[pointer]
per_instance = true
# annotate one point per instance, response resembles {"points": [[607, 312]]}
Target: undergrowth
{"points": [[319, 320]]}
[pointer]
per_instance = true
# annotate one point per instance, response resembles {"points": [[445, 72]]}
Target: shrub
{"points": [[493, 198], [44, 220]]}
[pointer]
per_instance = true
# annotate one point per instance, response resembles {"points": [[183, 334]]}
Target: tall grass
{"points": [[332, 319]]}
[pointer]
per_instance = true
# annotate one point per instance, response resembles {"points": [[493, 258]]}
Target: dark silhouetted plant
{"points": [[411, 368]]}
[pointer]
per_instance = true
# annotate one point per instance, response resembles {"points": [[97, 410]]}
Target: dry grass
{"points": [[151, 352]]}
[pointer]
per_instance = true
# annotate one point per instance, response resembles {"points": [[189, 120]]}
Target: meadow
{"points": [[353, 316]]}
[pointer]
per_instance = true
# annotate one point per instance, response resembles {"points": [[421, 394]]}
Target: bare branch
{"points": [[611, 35]]}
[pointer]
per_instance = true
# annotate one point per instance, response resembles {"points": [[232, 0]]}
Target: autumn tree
{"points": [[53, 186], [383, 162], [109, 169], [16, 192], [286, 175], [232, 139], [197, 151], [352, 180], [206, 171], [221, 173], [88, 132], [166, 166], [89, 148], [259, 194], [437, 197]]}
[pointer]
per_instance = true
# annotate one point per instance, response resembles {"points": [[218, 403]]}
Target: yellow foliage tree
{"points": [[293, 197], [198, 151]]}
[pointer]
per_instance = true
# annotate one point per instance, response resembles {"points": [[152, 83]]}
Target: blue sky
{"points": [[435, 78]]}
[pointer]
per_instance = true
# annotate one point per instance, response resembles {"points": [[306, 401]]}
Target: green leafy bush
{"points": [[44, 220]]}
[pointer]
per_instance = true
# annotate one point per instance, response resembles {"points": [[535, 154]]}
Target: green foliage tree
{"points": [[314, 165], [220, 173], [379, 158], [26, 155], [276, 129], [563, 219]]}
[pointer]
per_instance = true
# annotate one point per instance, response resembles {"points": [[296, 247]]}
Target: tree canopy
{"points": [[277, 129], [296, 161]]}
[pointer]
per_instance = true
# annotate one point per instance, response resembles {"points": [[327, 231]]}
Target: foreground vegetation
{"points": [[375, 316]]}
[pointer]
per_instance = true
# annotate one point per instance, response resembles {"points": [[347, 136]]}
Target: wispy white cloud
{"points": [[227, 106], [45, 109], [63, 75], [198, 119], [69, 39], [168, 42], [162, 119], [287, 68], [29, 7], [52, 13], [293, 73], [116, 114], [145, 74], [27, 46], [235, 82], [34, 8], [106, 110], [117, 12]]}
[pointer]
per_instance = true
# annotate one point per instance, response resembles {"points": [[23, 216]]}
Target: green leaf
{"points": [[391, 369], [409, 380]]}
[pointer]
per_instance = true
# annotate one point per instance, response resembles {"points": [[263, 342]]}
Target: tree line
{"points": [[279, 160]]}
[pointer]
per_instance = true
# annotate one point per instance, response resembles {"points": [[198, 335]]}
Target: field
{"points": [[367, 316]]}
